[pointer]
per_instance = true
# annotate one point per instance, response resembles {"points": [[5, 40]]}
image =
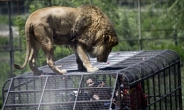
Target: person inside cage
{"points": [[119, 99], [96, 93], [138, 100]]}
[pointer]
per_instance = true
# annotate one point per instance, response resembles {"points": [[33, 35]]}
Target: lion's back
{"points": [[54, 14]]}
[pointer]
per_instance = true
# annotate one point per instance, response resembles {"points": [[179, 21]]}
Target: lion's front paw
{"points": [[93, 69], [63, 71]]}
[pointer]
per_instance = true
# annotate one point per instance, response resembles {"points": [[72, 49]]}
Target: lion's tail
{"points": [[29, 51]]}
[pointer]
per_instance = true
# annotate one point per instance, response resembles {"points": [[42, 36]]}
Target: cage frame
{"points": [[141, 67]]}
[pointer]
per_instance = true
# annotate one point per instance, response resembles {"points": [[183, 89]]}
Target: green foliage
{"points": [[153, 23], [122, 46], [4, 74], [176, 13], [62, 51], [5, 20], [4, 40], [35, 4], [179, 49], [127, 26], [19, 56]]}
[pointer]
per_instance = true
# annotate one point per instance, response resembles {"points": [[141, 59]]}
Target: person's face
{"points": [[90, 82]]}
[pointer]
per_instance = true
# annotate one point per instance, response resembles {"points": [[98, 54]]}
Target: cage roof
{"points": [[132, 64]]}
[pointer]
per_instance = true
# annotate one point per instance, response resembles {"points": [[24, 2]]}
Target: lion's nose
{"points": [[102, 60]]}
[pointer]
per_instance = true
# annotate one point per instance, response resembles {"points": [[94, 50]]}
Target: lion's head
{"points": [[102, 30], [105, 41]]}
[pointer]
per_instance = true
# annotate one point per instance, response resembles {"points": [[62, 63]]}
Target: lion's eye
{"points": [[106, 38]]}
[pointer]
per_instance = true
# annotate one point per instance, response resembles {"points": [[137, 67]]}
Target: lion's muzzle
{"points": [[102, 59]]}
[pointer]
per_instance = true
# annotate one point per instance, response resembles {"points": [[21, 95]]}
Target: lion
{"points": [[86, 29]]}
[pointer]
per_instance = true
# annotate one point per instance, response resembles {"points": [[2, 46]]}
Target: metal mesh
{"points": [[128, 81], [61, 92]]}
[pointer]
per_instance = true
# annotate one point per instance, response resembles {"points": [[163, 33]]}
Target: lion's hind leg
{"points": [[50, 62], [46, 42], [32, 60]]}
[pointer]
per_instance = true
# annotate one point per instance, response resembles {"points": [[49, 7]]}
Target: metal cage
{"points": [[134, 80]]}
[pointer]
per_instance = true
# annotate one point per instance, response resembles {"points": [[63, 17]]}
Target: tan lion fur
{"points": [[86, 29]]}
